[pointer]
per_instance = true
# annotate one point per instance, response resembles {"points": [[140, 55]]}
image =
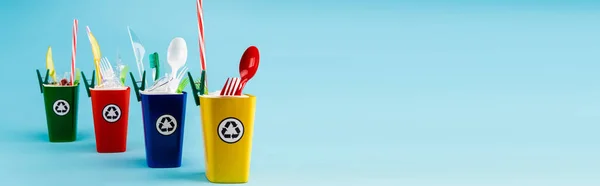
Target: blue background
{"points": [[349, 92]]}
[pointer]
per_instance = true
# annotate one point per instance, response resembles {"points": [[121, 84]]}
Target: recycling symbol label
{"points": [[230, 130], [111, 113], [61, 107], [166, 124]]}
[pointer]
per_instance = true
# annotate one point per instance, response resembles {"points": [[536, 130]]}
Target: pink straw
{"points": [[73, 51], [201, 35]]}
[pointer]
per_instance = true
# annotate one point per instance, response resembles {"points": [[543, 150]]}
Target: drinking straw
{"points": [[73, 51], [201, 36]]}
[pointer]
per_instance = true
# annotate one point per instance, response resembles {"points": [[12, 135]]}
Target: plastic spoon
{"points": [[248, 66], [176, 57]]}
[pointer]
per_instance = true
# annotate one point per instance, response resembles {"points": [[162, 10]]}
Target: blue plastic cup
{"points": [[164, 118]]}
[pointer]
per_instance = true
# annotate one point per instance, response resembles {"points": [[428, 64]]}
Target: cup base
{"points": [[227, 179], [110, 151], [226, 182], [104, 148], [164, 166], [61, 140]]}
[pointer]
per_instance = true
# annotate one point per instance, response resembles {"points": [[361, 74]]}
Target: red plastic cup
{"points": [[110, 109]]}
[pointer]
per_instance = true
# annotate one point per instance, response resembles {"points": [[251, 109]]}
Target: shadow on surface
{"points": [[129, 162], [84, 136], [139, 162], [43, 136], [76, 146], [180, 175]]}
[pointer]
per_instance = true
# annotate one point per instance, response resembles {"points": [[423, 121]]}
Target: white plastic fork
{"points": [[176, 79], [106, 69], [182, 73]]}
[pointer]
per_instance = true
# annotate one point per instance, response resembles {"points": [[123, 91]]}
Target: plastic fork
{"points": [[235, 84], [182, 73], [176, 79], [106, 69], [231, 85], [225, 87]]}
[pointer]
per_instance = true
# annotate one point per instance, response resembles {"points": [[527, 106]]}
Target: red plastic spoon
{"points": [[248, 67]]}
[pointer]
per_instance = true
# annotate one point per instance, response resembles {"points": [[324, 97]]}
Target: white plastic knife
{"points": [[138, 51]]}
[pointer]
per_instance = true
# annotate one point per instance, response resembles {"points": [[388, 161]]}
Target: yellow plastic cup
{"points": [[227, 125]]}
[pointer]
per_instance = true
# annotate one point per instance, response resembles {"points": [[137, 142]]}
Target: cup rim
{"points": [[60, 86], [247, 96], [109, 89], [161, 93]]}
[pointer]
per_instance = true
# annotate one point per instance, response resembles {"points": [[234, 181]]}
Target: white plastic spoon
{"points": [[176, 57]]}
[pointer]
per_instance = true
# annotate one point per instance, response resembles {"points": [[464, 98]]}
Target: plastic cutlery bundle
{"points": [[176, 58], [70, 79], [248, 67], [109, 76]]}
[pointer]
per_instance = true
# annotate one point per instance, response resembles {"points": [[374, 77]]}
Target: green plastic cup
{"points": [[61, 112]]}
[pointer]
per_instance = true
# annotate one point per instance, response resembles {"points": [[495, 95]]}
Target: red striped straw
{"points": [[73, 51], [201, 36]]}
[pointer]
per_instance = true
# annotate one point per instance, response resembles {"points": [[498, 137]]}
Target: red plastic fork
{"points": [[230, 87], [224, 89], [233, 87]]}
